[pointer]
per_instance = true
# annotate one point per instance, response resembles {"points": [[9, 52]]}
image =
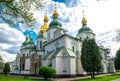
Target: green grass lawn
{"points": [[103, 78], [18, 78]]}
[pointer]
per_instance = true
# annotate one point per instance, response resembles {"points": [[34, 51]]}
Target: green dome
{"points": [[85, 28], [30, 42], [31, 45], [41, 35], [25, 43], [55, 23]]}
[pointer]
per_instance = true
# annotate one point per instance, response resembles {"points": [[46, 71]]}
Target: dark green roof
{"points": [[55, 23], [85, 28], [56, 52], [70, 52], [31, 42], [48, 54], [30, 47], [41, 35]]}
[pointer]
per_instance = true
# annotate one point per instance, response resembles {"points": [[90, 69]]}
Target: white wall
{"points": [[85, 34], [52, 46], [72, 65], [62, 65], [51, 33]]}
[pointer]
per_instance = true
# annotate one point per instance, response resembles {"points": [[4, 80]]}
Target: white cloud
{"points": [[10, 41], [7, 57]]}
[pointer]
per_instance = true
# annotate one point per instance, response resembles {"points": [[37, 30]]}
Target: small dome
{"points": [[31, 44], [85, 29], [31, 41], [25, 43], [55, 23]]}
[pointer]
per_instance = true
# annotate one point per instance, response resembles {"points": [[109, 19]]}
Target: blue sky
{"points": [[102, 16]]}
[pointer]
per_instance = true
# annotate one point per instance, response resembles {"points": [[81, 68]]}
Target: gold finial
{"points": [[84, 21], [26, 36], [31, 38], [55, 6], [46, 19], [55, 14], [83, 12]]}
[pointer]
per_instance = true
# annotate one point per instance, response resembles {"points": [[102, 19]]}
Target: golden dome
{"points": [[84, 21], [46, 19], [45, 26], [55, 14], [41, 29]]}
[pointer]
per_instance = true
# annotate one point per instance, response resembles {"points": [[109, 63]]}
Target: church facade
{"points": [[56, 49]]}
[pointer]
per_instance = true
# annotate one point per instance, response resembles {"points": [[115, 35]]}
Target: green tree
{"points": [[91, 57], [47, 72], [117, 60], [11, 10], [6, 69]]}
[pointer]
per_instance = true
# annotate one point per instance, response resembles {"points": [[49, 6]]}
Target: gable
{"points": [[63, 51]]}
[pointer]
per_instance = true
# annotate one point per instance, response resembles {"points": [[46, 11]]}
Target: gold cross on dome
{"points": [[46, 12], [55, 6], [83, 13]]}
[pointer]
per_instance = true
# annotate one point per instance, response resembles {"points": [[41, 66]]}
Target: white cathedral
{"points": [[56, 49]]}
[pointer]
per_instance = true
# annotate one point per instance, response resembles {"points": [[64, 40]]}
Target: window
{"points": [[73, 48], [87, 37], [57, 33], [48, 36], [27, 54], [40, 44], [80, 38]]}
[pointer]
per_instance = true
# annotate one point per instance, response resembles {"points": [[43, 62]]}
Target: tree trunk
{"points": [[93, 74], [6, 74]]}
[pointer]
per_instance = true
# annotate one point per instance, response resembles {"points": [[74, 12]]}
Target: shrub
{"points": [[47, 72], [6, 69]]}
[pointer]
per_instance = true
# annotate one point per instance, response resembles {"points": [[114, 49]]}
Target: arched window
{"points": [[40, 44], [73, 49], [48, 36]]}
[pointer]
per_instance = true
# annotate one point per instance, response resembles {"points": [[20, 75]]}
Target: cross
{"points": [[83, 13], [46, 12], [55, 6]]}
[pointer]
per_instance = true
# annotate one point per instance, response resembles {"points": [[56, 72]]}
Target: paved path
{"points": [[69, 79], [116, 80]]}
